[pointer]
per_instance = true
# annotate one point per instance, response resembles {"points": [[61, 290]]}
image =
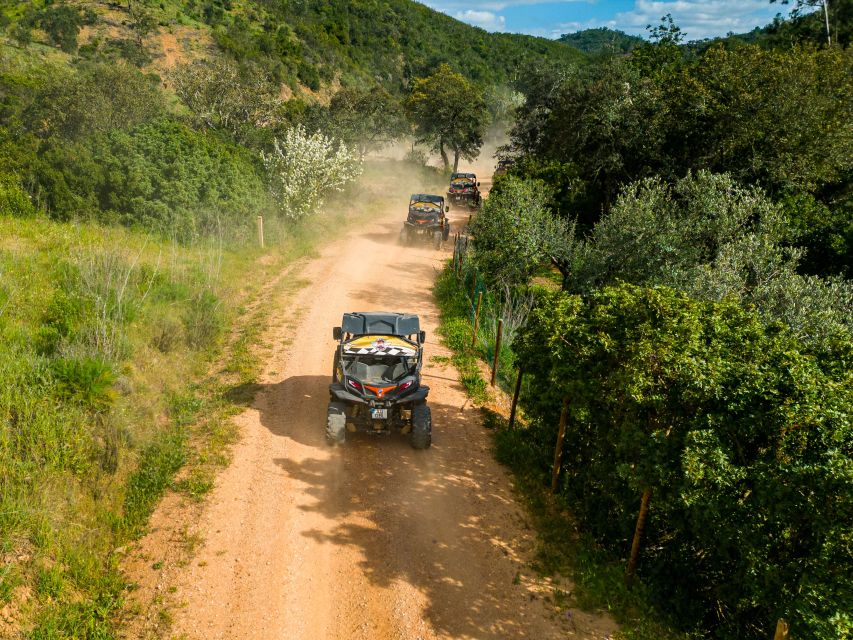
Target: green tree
{"points": [[62, 25], [513, 233], [98, 98], [715, 240], [366, 118], [741, 431], [448, 113]]}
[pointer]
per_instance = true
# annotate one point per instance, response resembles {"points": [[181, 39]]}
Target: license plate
{"points": [[379, 414]]}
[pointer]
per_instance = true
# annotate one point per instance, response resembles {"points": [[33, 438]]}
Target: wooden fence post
{"points": [[781, 630], [558, 450], [638, 534], [515, 398], [497, 351], [477, 319], [261, 231]]}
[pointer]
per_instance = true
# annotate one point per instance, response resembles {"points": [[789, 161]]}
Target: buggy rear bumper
{"points": [[340, 393]]}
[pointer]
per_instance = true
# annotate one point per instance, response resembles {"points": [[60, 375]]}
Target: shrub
{"points": [[742, 433], [303, 167], [88, 380], [14, 201], [203, 320]]}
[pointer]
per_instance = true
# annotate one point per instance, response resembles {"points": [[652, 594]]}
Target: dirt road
{"points": [[373, 539]]}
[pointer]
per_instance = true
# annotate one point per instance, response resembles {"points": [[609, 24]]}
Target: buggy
{"points": [[376, 378], [503, 167], [464, 190], [426, 219]]}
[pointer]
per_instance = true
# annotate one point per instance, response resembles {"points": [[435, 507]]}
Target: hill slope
{"points": [[300, 44], [601, 40]]}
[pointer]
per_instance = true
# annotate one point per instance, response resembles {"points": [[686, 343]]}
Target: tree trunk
{"points": [[826, 17], [443, 153], [455, 160]]}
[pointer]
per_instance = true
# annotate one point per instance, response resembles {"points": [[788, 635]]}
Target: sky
{"points": [[698, 19]]}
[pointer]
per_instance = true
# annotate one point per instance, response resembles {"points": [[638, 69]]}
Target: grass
{"points": [[562, 549], [109, 397], [456, 330]]}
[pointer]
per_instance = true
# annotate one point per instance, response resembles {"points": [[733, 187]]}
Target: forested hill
{"points": [[301, 44], [601, 40]]}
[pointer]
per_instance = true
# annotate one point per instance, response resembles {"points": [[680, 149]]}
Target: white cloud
{"points": [[485, 19], [448, 6], [698, 19]]}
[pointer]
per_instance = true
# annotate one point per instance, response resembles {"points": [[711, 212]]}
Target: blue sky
{"points": [[697, 18]]}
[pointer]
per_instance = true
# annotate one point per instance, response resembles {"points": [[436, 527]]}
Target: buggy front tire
{"points": [[336, 423], [421, 437]]}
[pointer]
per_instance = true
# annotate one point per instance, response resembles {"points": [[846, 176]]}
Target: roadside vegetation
{"points": [[131, 283], [686, 241]]}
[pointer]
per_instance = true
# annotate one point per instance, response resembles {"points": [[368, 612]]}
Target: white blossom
{"points": [[302, 168]]}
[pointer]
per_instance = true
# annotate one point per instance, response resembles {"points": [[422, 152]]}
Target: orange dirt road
{"points": [[370, 540]]}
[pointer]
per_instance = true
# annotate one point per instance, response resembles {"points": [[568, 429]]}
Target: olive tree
{"points": [[449, 113]]}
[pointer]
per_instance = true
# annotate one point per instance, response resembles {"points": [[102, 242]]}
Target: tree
{"points": [[449, 113], [303, 167], [62, 24], [715, 240], [800, 4], [366, 118], [96, 99], [222, 97], [516, 232]]}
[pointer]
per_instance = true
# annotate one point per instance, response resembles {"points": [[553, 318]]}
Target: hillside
{"points": [[303, 46], [601, 40]]}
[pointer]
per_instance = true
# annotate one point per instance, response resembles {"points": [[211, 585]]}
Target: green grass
{"points": [[109, 397], [456, 331], [599, 583]]}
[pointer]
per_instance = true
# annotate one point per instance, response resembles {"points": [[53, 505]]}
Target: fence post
{"points": [[781, 630], [515, 398], [476, 320], [558, 450], [497, 351], [638, 534], [261, 231]]}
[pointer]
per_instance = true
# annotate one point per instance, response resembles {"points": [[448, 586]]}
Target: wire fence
{"points": [[496, 313]]}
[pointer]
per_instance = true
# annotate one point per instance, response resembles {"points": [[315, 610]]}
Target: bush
{"points": [[203, 320], [742, 433], [513, 234], [302, 168], [14, 201], [88, 380]]}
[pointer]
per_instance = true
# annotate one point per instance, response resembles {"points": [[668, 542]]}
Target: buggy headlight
{"points": [[405, 385], [354, 384]]}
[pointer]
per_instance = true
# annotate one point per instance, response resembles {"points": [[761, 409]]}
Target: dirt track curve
{"points": [[371, 540]]}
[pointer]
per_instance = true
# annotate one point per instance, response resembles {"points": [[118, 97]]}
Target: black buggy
{"points": [[464, 190], [376, 378], [426, 220]]}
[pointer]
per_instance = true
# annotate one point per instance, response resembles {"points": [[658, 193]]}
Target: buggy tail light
{"points": [[354, 384], [405, 385]]}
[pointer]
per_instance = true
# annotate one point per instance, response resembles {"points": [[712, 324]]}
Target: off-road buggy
{"points": [[426, 220], [503, 167], [376, 378], [464, 190]]}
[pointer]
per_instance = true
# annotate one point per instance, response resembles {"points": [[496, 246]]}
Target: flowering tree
{"points": [[303, 167]]}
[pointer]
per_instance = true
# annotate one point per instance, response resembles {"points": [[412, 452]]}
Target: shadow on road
{"points": [[433, 519]]}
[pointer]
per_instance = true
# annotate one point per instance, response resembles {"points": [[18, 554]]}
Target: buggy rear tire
{"points": [[336, 423], [421, 437]]}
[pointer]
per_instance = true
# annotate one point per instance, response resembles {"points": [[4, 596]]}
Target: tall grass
{"points": [[106, 337]]}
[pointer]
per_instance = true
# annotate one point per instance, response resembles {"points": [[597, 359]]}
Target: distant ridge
{"points": [[601, 40]]}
